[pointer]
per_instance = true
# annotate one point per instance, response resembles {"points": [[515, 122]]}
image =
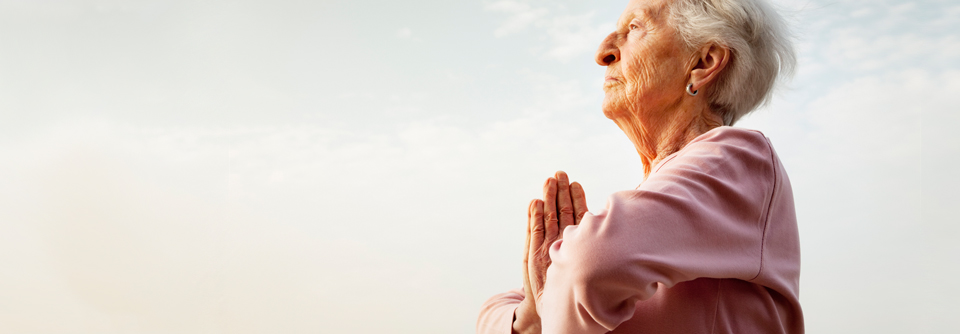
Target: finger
{"points": [[537, 228], [535, 265], [526, 246], [550, 209], [579, 202], [526, 250], [564, 203], [536, 239]]}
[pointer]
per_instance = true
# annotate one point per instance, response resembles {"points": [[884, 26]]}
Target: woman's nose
{"points": [[608, 53]]}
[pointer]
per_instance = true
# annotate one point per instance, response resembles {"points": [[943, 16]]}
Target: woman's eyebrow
{"points": [[633, 16], [626, 21]]}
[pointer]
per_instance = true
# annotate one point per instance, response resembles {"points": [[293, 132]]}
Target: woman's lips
{"points": [[610, 81]]}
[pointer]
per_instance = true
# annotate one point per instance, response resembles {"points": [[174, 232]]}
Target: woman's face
{"points": [[646, 63]]}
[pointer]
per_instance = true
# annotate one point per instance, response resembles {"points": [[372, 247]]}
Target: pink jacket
{"points": [[708, 243]]}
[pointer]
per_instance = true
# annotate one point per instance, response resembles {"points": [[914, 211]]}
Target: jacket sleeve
{"points": [[496, 314], [702, 214]]}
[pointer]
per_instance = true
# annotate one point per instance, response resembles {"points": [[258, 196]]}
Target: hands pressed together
{"points": [[563, 204]]}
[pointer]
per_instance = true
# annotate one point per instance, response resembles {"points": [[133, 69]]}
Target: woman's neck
{"points": [[667, 132]]}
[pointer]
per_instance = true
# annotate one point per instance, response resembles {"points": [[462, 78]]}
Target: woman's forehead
{"points": [[647, 9]]}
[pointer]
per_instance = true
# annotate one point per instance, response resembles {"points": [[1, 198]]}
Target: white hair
{"points": [[760, 47]]}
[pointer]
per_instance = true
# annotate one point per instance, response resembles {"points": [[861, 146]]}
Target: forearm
{"points": [[497, 313]]}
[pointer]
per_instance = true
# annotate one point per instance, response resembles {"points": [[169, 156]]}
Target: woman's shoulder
{"points": [[728, 135], [725, 148]]}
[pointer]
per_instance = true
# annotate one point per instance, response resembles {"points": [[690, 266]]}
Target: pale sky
{"points": [[365, 166]]}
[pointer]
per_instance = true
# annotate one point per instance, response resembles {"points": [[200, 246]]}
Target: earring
{"points": [[693, 93]]}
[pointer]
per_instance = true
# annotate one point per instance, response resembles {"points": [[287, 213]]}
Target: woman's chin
{"points": [[607, 113], [610, 107]]}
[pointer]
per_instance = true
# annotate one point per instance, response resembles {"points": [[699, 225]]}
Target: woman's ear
{"points": [[713, 59]]}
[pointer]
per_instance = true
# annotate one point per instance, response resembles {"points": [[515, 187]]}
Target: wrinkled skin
{"points": [[648, 69], [563, 204]]}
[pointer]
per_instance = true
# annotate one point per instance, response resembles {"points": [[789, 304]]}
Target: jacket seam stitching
{"points": [[766, 215]]}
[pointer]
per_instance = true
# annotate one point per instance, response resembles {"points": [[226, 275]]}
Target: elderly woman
{"points": [[708, 242]]}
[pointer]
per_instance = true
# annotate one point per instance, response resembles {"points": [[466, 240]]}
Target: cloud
{"points": [[521, 16], [855, 50], [881, 36], [404, 33], [569, 35], [299, 227]]}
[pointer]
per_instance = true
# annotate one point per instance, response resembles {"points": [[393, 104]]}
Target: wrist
{"points": [[525, 319]]}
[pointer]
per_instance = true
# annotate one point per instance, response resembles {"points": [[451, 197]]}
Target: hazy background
{"points": [[365, 166]]}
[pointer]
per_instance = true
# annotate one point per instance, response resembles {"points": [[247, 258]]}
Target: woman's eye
{"points": [[634, 27]]}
